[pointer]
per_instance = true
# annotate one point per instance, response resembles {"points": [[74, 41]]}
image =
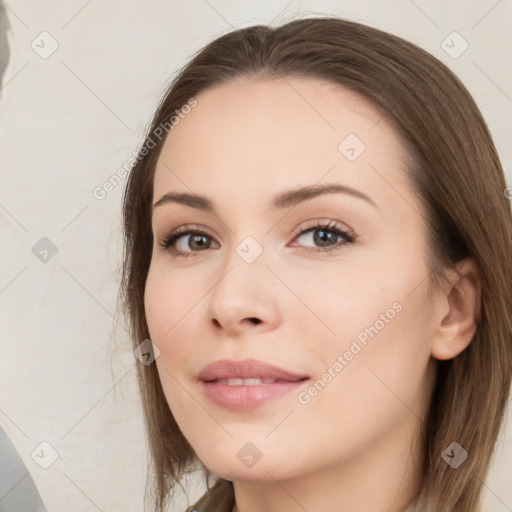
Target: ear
{"points": [[458, 311]]}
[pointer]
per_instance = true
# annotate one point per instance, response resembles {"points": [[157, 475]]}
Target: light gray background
{"points": [[71, 120]]}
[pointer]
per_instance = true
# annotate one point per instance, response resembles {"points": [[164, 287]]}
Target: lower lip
{"points": [[245, 398]]}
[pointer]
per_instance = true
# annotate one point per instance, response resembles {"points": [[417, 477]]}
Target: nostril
{"points": [[253, 320]]}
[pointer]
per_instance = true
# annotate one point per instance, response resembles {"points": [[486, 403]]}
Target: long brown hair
{"points": [[458, 177]]}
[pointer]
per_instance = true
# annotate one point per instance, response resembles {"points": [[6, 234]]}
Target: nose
{"points": [[245, 298]]}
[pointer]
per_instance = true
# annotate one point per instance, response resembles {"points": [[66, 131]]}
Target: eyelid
{"points": [[327, 224], [186, 229]]}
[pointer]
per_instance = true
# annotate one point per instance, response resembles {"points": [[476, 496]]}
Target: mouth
{"points": [[255, 381], [247, 370], [246, 385]]}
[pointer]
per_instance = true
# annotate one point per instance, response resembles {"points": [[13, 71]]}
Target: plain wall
{"points": [[68, 122]]}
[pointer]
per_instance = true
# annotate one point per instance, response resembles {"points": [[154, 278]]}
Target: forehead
{"points": [[263, 135]]}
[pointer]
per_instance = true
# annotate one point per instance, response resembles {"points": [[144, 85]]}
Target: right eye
{"points": [[185, 242]]}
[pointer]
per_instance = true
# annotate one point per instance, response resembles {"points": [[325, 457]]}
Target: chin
{"points": [[234, 469], [247, 474]]}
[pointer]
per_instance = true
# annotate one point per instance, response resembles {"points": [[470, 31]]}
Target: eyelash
{"points": [[168, 241]]}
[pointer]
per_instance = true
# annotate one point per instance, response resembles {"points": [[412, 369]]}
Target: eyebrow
{"points": [[284, 199]]}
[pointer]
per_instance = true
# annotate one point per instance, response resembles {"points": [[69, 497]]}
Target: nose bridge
{"points": [[243, 290], [244, 269], [246, 252]]}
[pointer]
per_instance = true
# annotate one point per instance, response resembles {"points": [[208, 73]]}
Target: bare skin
{"points": [[350, 445]]}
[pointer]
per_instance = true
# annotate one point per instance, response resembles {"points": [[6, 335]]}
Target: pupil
{"points": [[324, 236], [195, 238]]}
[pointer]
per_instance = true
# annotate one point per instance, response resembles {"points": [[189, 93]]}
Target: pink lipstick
{"points": [[245, 385]]}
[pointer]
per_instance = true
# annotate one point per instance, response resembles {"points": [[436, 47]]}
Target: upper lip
{"points": [[247, 369]]}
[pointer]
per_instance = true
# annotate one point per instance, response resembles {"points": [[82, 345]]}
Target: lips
{"points": [[248, 369], [245, 385]]}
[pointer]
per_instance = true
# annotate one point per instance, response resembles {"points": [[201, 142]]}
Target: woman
{"points": [[317, 244]]}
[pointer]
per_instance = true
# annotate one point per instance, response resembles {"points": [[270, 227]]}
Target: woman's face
{"points": [[346, 319]]}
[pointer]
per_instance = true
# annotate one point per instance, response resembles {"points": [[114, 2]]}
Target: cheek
{"points": [[374, 378], [168, 299], [388, 377], [172, 305], [383, 328], [166, 309]]}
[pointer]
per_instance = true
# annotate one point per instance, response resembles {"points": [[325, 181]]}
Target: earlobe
{"points": [[460, 300]]}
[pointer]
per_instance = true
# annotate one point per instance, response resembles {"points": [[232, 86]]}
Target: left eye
{"points": [[324, 236]]}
